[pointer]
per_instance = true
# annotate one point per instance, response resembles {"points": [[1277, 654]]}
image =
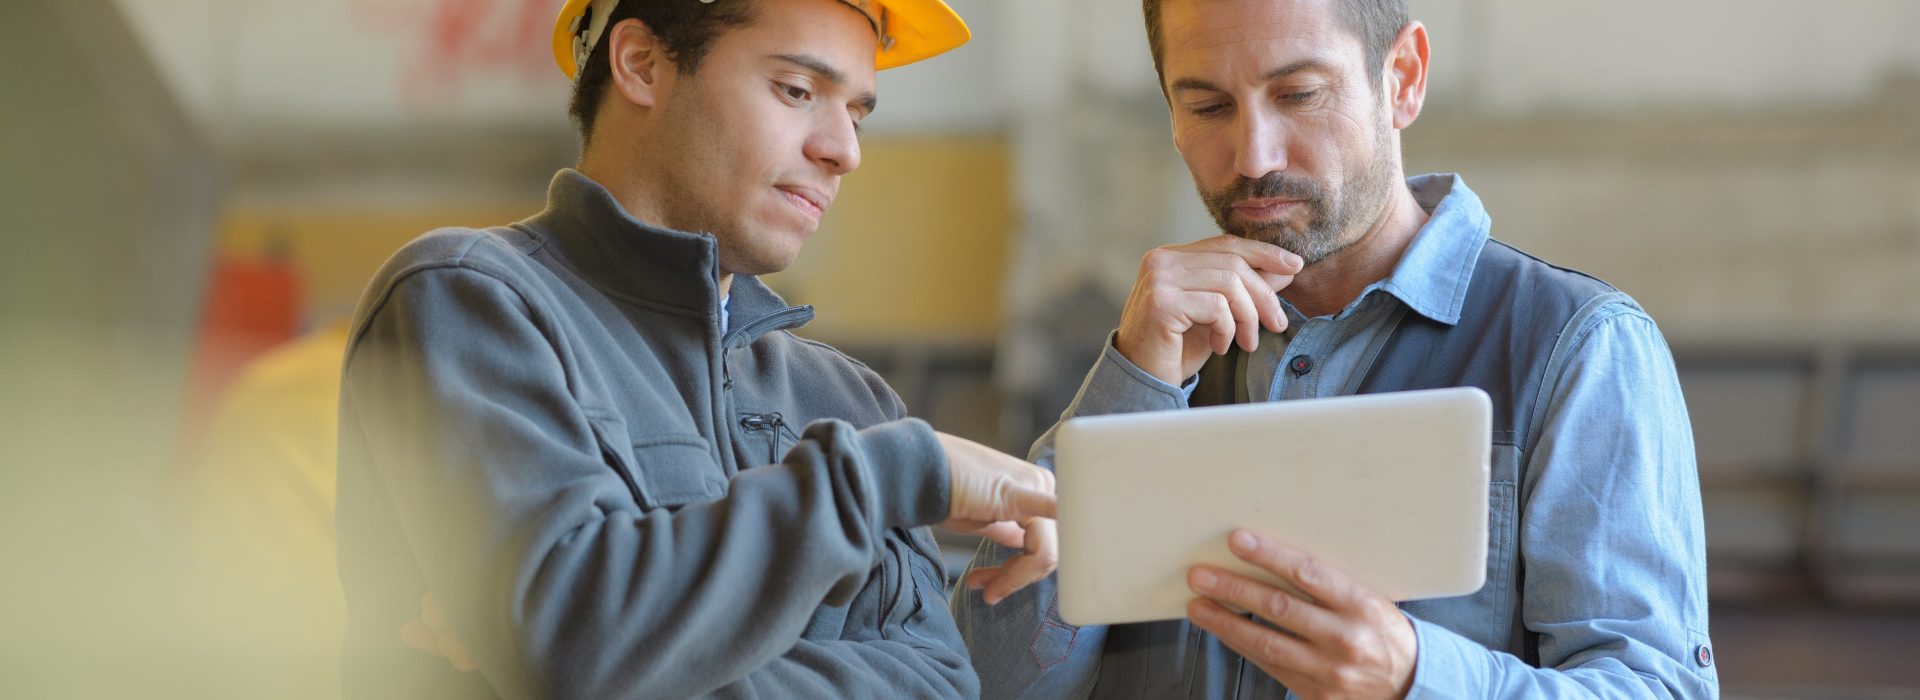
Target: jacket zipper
{"points": [[786, 315], [772, 423]]}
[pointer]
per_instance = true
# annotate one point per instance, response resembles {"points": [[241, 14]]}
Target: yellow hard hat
{"points": [[910, 30]]}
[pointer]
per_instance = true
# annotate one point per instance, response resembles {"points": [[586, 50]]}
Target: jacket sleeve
{"points": [[897, 664], [1021, 647], [899, 638], [557, 580], [1613, 546]]}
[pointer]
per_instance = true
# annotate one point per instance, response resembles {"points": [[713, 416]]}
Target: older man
{"points": [[1337, 275]]}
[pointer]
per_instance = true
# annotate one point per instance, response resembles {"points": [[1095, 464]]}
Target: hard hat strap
{"points": [[587, 29]]}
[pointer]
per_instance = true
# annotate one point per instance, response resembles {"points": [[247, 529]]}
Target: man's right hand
{"points": [[1007, 500], [1197, 299]]}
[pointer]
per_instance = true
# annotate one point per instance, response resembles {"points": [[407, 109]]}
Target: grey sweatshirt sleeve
{"points": [[908, 645], [1021, 648], [559, 583]]}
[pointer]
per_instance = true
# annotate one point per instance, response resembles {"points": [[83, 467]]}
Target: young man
{"points": [[582, 455], [1338, 275]]}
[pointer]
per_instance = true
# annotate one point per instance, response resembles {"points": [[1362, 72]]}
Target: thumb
{"points": [[1006, 532]]}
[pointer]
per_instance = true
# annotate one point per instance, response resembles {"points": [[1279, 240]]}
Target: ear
{"points": [[640, 67], [1406, 74]]}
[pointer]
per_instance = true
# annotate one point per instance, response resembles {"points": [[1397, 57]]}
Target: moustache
{"points": [[1270, 185]]}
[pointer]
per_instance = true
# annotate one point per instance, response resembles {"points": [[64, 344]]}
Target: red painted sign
{"points": [[454, 41]]}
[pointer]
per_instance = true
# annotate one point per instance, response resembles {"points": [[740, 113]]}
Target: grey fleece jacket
{"points": [[542, 425]]}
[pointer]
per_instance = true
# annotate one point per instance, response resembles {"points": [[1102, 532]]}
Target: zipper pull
{"points": [[755, 423]]}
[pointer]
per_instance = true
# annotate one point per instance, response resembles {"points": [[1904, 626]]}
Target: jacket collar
{"points": [[650, 265]]}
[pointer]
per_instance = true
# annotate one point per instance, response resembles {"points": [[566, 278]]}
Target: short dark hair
{"points": [[1376, 22], [687, 29]]}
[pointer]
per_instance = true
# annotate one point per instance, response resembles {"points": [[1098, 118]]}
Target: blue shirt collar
{"points": [[1432, 275]]}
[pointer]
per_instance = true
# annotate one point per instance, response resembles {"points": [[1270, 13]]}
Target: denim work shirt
{"points": [[1609, 544]]}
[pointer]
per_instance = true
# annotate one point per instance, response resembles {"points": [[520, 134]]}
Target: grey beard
{"points": [[1318, 240]]}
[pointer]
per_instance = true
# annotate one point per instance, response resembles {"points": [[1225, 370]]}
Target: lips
{"points": [[809, 201], [1266, 208]]}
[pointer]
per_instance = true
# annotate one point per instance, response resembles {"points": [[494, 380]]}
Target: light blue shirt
{"points": [[1610, 537]]}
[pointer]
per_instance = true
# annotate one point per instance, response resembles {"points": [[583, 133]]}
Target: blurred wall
{"points": [[108, 193]]}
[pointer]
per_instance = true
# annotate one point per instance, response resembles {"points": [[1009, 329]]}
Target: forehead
{"points": [[1207, 36], [830, 30]]}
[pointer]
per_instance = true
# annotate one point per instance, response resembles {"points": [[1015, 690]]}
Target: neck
{"points": [[1328, 286], [607, 163], [636, 193]]}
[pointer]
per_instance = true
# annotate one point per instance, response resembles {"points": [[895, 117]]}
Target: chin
{"points": [[765, 260]]}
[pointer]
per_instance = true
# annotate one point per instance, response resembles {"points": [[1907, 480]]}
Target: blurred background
{"points": [[195, 192]]}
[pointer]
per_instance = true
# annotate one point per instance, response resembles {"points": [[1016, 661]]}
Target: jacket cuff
{"points": [[908, 469], [1116, 385]]}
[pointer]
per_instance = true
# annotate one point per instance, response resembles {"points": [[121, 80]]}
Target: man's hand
{"points": [[1342, 642], [1009, 501], [431, 633], [1196, 299]]}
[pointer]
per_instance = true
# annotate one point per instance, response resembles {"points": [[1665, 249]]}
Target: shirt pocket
{"points": [[1488, 616]]}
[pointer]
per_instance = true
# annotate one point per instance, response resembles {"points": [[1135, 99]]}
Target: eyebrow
{"points": [[1275, 74], [866, 101]]}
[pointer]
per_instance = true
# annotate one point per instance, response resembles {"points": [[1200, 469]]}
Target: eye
{"points": [[793, 93], [1300, 97], [1212, 110]]}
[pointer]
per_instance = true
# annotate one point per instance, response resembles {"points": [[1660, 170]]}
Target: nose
{"points": [[836, 147], [1262, 146]]}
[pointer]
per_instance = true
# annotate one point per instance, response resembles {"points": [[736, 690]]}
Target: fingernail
{"points": [[1243, 541], [1204, 580]]}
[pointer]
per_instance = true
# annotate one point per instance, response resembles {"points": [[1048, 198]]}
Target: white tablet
{"points": [[1391, 488]]}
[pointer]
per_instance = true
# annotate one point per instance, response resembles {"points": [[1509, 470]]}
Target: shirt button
{"points": [[1301, 364], [1703, 656]]}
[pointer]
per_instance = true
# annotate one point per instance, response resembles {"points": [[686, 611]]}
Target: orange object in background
{"points": [[252, 305]]}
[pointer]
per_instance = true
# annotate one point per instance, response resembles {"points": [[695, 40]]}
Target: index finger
{"points": [[1262, 255], [1326, 585], [1027, 502]]}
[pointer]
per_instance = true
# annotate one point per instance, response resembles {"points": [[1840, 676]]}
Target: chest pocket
{"points": [[676, 470], [663, 471]]}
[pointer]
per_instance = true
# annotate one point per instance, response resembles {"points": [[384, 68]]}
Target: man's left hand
{"points": [[1342, 641]]}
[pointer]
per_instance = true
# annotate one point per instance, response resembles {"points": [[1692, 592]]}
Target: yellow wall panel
{"points": [[915, 246]]}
